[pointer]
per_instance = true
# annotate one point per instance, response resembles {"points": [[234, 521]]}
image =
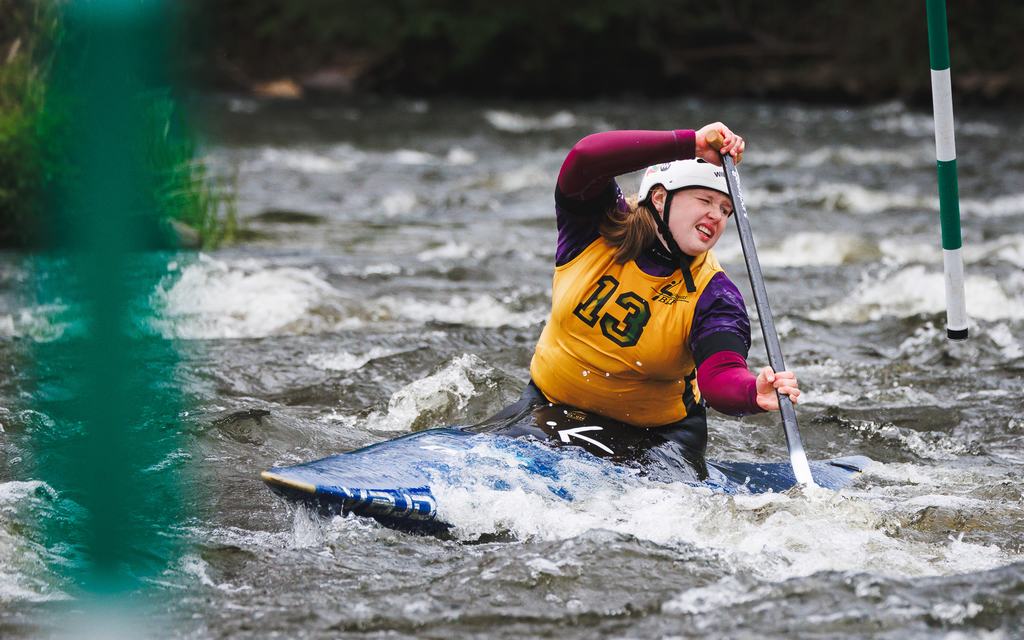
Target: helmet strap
{"points": [[662, 223]]}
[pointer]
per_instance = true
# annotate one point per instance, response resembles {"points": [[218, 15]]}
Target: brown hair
{"points": [[630, 231]]}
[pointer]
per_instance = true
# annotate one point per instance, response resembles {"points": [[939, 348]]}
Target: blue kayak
{"points": [[397, 482]]}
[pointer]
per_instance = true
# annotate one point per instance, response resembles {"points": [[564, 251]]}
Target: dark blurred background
{"points": [[832, 50]]}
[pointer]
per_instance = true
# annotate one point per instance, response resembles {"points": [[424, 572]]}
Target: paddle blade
{"points": [[760, 477]]}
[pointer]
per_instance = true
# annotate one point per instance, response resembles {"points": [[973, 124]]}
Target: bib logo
{"points": [[665, 296]]}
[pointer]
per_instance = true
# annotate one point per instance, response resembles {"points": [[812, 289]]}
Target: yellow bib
{"points": [[617, 341]]}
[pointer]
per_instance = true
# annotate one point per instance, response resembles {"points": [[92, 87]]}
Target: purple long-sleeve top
{"points": [[586, 189]]}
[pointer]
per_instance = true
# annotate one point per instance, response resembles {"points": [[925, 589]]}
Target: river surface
{"points": [[395, 274]]}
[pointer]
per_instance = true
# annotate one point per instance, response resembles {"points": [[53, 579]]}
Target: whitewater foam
{"points": [[412, 157], [929, 445], [831, 398], [522, 178], [24, 572], [339, 160], [894, 118], [726, 592], [346, 361], [215, 299], [397, 203], [921, 155], [457, 156], [438, 399], [841, 196], [39, 323], [519, 123], [481, 311], [994, 207], [914, 290], [1008, 248], [772, 536], [1004, 338], [810, 249], [451, 251]]}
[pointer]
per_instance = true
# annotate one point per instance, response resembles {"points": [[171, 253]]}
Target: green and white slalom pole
{"points": [[945, 153]]}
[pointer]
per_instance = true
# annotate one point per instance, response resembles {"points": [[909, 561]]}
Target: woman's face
{"points": [[697, 218]]}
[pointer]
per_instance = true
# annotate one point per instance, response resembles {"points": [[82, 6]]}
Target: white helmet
{"points": [[681, 174]]}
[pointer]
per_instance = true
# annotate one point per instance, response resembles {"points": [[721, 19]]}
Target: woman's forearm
{"points": [[727, 384], [596, 159]]}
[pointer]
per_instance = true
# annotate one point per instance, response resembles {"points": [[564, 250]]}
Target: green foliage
{"points": [[27, 37], [18, 153], [37, 120]]}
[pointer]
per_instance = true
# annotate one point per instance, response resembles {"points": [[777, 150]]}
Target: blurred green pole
{"points": [[108, 382]]}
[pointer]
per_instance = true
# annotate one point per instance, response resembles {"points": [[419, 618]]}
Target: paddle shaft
{"points": [[797, 457]]}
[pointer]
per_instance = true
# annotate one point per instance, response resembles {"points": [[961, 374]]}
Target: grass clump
{"points": [[190, 205], [198, 207], [28, 36]]}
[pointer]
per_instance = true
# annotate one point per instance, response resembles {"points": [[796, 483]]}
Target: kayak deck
{"points": [[396, 482]]}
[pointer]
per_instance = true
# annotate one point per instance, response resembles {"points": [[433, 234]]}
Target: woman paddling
{"points": [[645, 326]]}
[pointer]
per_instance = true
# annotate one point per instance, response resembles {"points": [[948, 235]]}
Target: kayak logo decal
{"points": [[566, 434], [388, 502]]}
